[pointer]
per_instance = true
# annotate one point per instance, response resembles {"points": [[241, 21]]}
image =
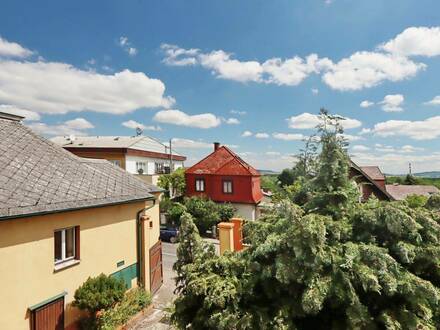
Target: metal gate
{"points": [[49, 316], [156, 272]]}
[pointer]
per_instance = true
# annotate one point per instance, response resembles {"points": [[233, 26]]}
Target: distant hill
{"points": [[268, 172], [432, 174]]}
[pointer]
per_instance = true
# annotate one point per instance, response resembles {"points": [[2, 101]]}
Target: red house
{"points": [[225, 178]]}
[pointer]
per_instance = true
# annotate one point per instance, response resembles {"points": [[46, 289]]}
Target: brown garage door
{"points": [[49, 316], [156, 273]]}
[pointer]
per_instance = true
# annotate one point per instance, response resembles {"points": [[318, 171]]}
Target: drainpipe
{"points": [[140, 250]]}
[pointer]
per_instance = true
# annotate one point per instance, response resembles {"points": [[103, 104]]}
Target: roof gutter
{"points": [[27, 215]]}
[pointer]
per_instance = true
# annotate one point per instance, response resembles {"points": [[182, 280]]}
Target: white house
{"points": [[142, 155]]}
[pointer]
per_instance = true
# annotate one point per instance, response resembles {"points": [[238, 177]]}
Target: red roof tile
{"points": [[400, 192], [223, 161], [373, 172]]}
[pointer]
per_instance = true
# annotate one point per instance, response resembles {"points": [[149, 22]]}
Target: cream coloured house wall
{"points": [[246, 211], [27, 273]]}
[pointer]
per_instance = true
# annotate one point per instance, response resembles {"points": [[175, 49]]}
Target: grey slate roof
{"points": [[38, 176]]}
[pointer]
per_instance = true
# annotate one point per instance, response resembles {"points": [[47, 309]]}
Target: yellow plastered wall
{"points": [[108, 235]]}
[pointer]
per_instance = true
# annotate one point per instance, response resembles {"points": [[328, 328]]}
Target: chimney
{"points": [[216, 145]]}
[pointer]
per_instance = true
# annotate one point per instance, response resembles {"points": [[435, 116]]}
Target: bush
{"points": [[204, 211], [133, 302], [174, 214], [101, 292], [165, 204], [225, 211], [433, 202], [415, 201]]}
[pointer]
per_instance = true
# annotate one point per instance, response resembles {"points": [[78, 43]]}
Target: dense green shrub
{"points": [[433, 202], [174, 214], [332, 264], [97, 293], [415, 201], [134, 301], [225, 211], [205, 212]]}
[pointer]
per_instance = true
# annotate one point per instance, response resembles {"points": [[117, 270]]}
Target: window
{"points": [[115, 162], [159, 168], [66, 243], [200, 185], [227, 187], [141, 167]]}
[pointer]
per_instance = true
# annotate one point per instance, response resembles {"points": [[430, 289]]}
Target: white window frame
{"points": [[115, 162], [143, 166], [200, 185], [227, 187], [63, 245]]}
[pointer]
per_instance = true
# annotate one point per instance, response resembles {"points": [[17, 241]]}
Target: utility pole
{"points": [[171, 156], [410, 170]]}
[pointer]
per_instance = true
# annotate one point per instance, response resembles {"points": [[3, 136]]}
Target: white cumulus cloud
{"points": [[413, 41], [308, 121], [393, 103], [76, 126], [134, 125], [434, 101], [246, 134], [12, 49], [288, 136], [231, 121], [58, 88], [427, 129], [190, 144], [180, 118], [27, 114], [262, 135], [127, 47], [369, 69], [366, 104]]}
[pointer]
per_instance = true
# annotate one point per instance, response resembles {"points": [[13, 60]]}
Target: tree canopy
{"points": [[331, 264]]}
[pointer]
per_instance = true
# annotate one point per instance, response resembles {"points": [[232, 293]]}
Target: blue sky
{"points": [[250, 74]]}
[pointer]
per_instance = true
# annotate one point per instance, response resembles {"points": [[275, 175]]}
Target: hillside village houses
{"points": [[63, 219], [140, 155]]}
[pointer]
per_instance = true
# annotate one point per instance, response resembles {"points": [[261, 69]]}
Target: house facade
{"points": [[139, 155], [225, 178], [370, 181], [64, 219]]}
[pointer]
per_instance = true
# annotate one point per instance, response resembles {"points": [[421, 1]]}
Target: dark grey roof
{"points": [[38, 176]]}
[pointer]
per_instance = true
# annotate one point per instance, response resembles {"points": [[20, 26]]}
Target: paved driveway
{"points": [[165, 295]]}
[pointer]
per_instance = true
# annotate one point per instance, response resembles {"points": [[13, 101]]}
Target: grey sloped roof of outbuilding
{"points": [[38, 176]]}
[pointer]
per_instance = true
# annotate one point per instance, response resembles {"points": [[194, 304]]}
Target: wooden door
{"points": [[49, 316], [156, 272]]}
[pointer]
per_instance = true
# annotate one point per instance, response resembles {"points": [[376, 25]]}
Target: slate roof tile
{"points": [[38, 176]]}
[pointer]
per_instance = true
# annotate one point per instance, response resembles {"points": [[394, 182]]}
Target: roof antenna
{"points": [[139, 131]]}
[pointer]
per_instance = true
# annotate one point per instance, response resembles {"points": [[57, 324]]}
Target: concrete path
{"points": [[162, 300]]}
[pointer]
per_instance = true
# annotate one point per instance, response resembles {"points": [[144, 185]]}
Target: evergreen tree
{"points": [[330, 265], [332, 190]]}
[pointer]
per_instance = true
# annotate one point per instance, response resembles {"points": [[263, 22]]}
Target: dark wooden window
{"points": [[200, 184]]}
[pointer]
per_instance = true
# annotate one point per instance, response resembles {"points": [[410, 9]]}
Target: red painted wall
{"points": [[245, 189]]}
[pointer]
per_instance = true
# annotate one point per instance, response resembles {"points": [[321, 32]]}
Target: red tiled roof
{"points": [[400, 192], [223, 161], [373, 172]]}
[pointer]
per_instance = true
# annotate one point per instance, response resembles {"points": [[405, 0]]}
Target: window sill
{"points": [[66, 264]]}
